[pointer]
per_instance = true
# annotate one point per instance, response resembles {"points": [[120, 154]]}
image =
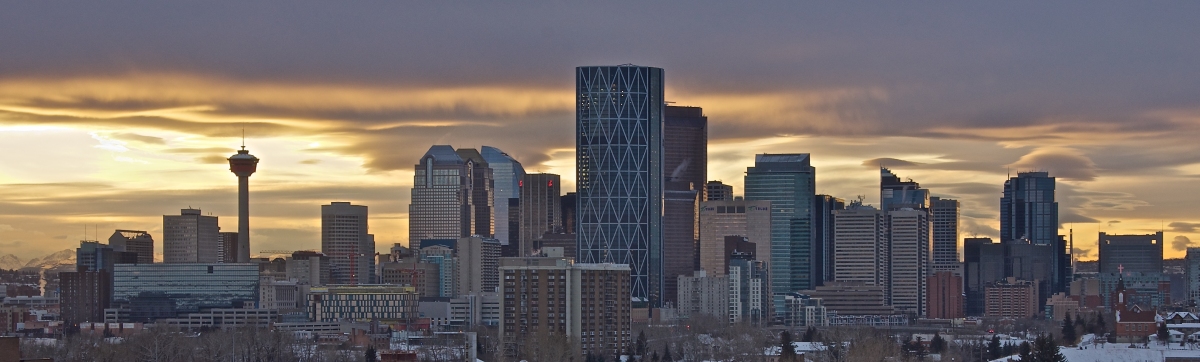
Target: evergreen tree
{"points": [[1007, 350], [1100, 327], [1164, 336], [641, 344], [810, 335], [993, 348], [371, 356], [937, 344], [667, 354], [654, 357], [787, 351], [1046, 350], [1068, 330], [1026, 352]]}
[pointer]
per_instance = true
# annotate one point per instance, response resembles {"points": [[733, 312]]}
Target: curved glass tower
{"points": [[619, 156]]}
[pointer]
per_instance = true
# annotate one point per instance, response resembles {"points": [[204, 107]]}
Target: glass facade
{"points": [[788, 181], [192, 286], [619, 166], [1028, 209], [506, 176]]}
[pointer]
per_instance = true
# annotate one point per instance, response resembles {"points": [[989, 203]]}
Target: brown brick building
{"points": [[544, 297], [1011, 298], [944, 297]]}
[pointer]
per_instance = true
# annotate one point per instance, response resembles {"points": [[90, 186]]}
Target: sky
{"points": [[115, 113]]}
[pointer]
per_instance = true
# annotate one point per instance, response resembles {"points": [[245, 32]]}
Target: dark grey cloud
{"points": [[1062, 163], [1183, 227], [1181, 243], [888, 162]]}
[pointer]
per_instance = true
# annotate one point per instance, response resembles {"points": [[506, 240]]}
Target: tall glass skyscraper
{"points": [[507, 174], [619, 171], [788, 181], [895, 194], [1028, 209]]}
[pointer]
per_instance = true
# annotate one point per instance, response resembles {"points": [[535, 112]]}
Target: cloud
{"points": [[6, 227], [310, 161], [139, 138], [1081, 253], [1183, 227], [1113, 222], [1060, 162], [212, 159], [1181, 243], [888, 162]]}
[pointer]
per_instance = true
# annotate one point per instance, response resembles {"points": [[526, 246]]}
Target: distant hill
{"points": [[62, 259]]}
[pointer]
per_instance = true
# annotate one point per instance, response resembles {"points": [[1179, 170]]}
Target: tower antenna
{"points": [[243, 137]]}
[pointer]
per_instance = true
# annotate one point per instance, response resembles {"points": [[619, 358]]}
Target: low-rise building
{"points": [[362, 303]]}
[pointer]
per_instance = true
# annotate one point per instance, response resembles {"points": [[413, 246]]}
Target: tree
{"points": [[787, 352], [654, 357], [993, 348], [641, 343], [810, 335], [667, 354], [1068, 330], [937, 344], [1164, 336], [1026, 351], [1099, 325], [1046, 350], [371, 356]]}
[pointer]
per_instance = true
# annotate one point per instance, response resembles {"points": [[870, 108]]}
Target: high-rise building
{"points": [[589, 303], [1011, 298], [680, 235], [541, 208], [945, 297], [134, 241], [749, 290], [344, 239], [685, 146], [1192, 260], [908, 243], [894, 193], [478, 260], [441, 196], [93, 256], [945, 235], [481, 195], [986, 262], [513, 249], [83, 295], [788, 181], [190, 237], [506, 176], [568, 212], [718, 191], [824, 207], [719, 219], [308, 268], [227, 249], [860, 246], [1131, 253], [619, 171], [702, 294], [1028, 210], [243, 164]]}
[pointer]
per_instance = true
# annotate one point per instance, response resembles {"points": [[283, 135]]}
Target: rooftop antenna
{"points": [[243, 137]]}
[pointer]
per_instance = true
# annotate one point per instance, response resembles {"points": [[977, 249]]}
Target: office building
{"points": [[344, 239], [479, 200], [1131, 253], [93, 256], [1147, 290], [851, 298], [589, 303], [440, 252], [908, 247], [243, 164], [944, 213], [541, 208], [568, 201], [945, 296], [986, 262], [719, 219], [227, 248], [1028, 210], [507, 174], [1060, 306], [1011, 298], [1192, 260], [564, 241], [478, 260], [619, 172], [896, 194], [788, 181], [513, 248], [805, 311], [423, 277], [703, 295], [718, 191], [308, 267], [680, 235], [83, 295], [190, 237], [185, 287], [823, 210], [134, 241], [441, 196], [362, 303], [860, 247], [685, 147]]}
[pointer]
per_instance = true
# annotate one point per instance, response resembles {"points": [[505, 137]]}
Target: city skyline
{"points": [[144, 126]]}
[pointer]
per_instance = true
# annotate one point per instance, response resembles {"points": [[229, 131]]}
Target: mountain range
{"points": [[58, 259]]}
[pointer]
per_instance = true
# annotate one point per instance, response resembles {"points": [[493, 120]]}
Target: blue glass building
{"points": [[192, 287], [506, 175], [619, 167], [788, 181], [1028, 209]]}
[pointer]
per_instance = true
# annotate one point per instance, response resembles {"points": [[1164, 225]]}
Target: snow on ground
{"points": [[1120, 352]]}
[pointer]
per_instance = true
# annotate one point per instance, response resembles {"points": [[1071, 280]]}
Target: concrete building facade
{"points": [[346, 240], [718, 219], [190, 237]]}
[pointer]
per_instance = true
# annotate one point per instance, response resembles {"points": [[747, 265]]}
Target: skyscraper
{"points": [[717, 191], [822, 225], [243, 164], [945, 235], [1192, 273], [1028, 209], [441, 196], [541, 208], [568, 213], [190, 237], [894, 193], [680, 235], [619, 171], [506, 175], [134, 241], [860, 246], [685, 164], [685, 147], [227, 249], [1131, 253], [344, 239], [908, 245], [479, 200], [788, 181], [718, 219]]}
